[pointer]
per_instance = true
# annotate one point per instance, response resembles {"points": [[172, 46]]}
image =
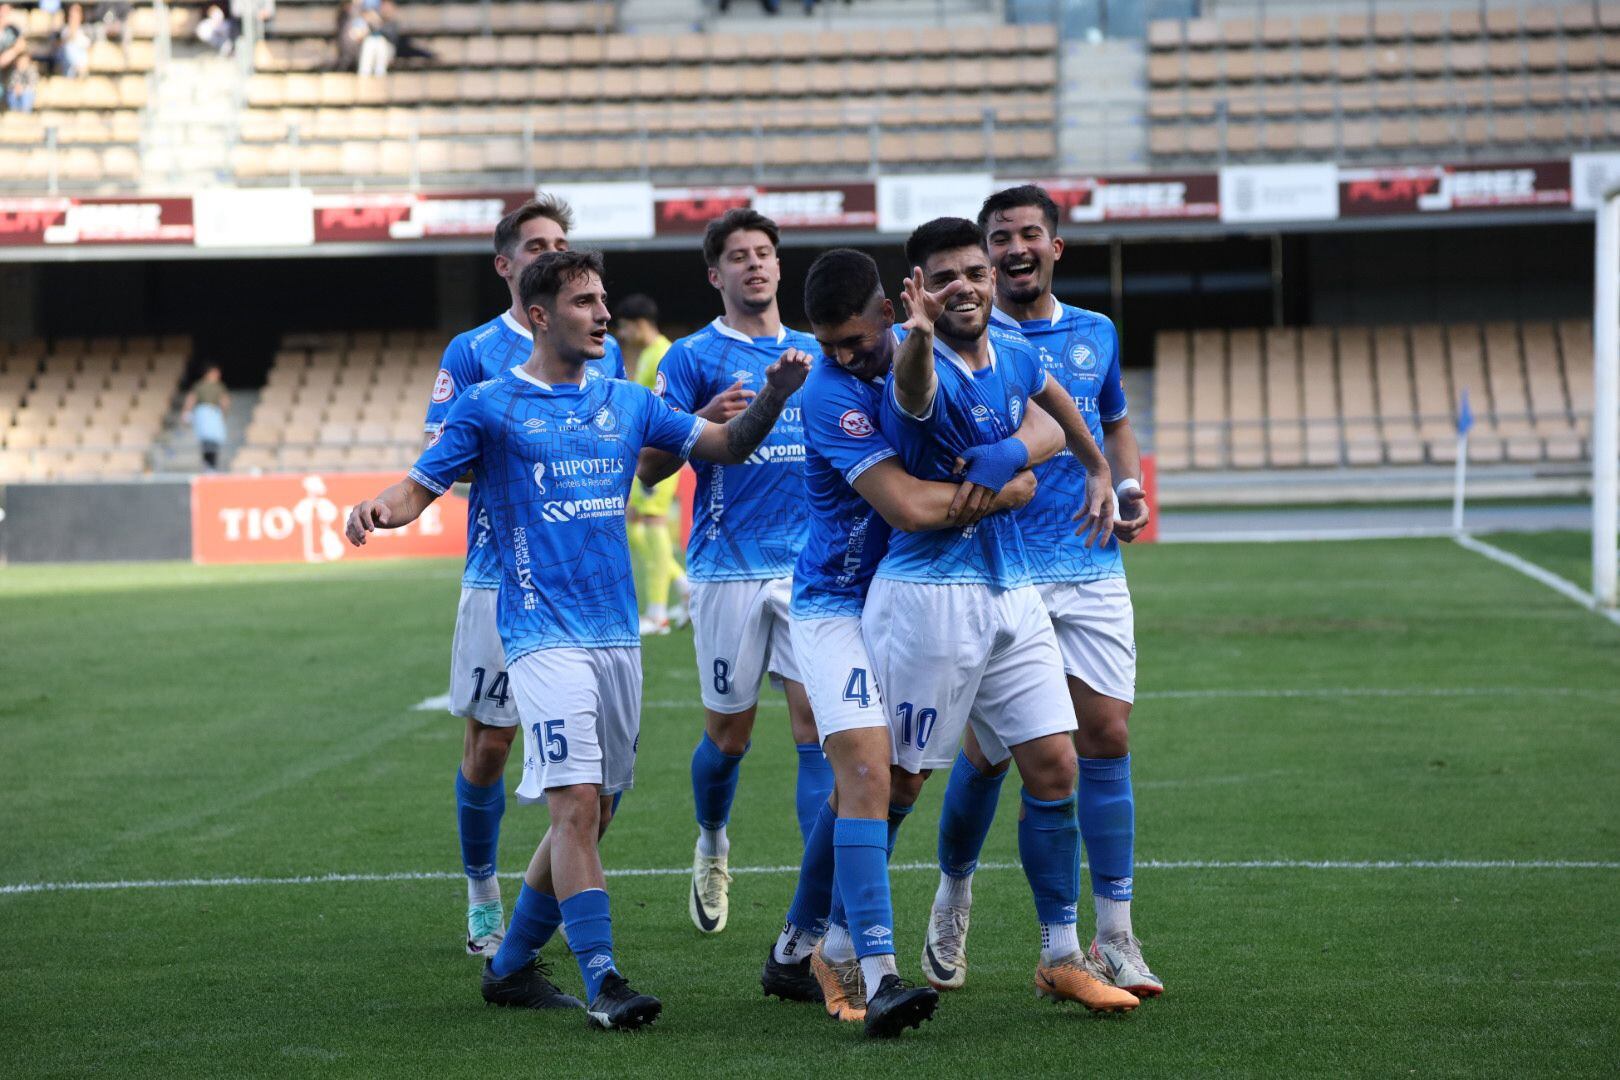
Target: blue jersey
{"points": [[555, 464], [969, 408], [472, 357], [1079, 349], [846, 537], [748, 520]]}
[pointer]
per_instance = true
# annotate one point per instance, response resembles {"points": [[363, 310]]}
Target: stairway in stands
{"points": [[1102, 106], [192, 123]]}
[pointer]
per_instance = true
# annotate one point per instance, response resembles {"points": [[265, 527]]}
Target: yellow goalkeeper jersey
{"points": [[660, 500]]}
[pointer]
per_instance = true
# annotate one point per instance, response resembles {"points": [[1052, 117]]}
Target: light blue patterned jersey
{"points": [[846, 537], [1079, 349], [555, 464], [748, 520], [472, 357], [969, 408]]}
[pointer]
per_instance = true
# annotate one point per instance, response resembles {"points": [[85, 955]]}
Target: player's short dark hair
{"points": [[510, 227], [739, 219], [1022, 195], [636, 306], [544, 278], [839, 285], [943, 234]]}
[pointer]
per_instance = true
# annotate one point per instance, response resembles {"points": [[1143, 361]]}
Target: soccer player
{"points": [[479, 685], [554, 452], [748, 524], [953, 622], [652, 547], [1085, 594], [857, 491]]}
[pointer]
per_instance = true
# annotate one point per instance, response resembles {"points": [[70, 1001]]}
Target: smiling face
{"points": [[968, 312], [1024, 252], [862, 344], [747, 272], [574, 324]]}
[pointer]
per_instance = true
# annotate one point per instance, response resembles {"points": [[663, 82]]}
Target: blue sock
{"points": [[815, 784], [897, 818], [965, 819], [589, 929], [714, 783], [837, 915], [534, 919], [614, 808], [861, 866], [1049, 845], [1108, 823], [812, 900], [478, 819]]}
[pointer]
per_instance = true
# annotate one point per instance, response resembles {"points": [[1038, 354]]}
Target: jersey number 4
{"points": [[550, 736], [855, 688], [498, 690]]}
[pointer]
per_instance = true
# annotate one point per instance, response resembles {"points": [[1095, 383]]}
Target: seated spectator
{"points": [[13, 42], [215, 30], [73, 45], [389, 26], [112, 21], [377, 48], [22, 84], [352, 29]]}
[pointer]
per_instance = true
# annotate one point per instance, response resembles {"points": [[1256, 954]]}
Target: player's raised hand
{"points": [[1134, 515], [789, 372], [727, 403], [923, 308], [1097, 516], [365, 518]]}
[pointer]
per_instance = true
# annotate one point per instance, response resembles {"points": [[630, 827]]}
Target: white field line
{"points": [[1353, 865], [1296, 536], [1537, 573]]}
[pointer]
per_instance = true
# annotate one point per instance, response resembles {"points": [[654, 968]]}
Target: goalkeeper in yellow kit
{"points": [[651, 525]]}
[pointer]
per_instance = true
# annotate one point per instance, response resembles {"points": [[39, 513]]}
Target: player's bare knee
{"points": [[1048, 767], [731, 731], [1105, 733], [904, 787], [576, 812], [864, 790]]}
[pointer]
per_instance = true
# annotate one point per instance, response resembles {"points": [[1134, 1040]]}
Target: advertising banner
{"points": [[800, 207], [1256, 193], [905, 202], [608, 211], [1091, 199], [1590, 175], [254, 217], [1428, 189], [69, 220], [299, 517], [355, 217]]}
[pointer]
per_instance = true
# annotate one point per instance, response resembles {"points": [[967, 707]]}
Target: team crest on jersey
{"points": [[540, 476], [1083, 357], [444, 387], [856, 424], [605, 421], [659, 384]]}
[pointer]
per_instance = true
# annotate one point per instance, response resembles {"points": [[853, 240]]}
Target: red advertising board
{"points": [[1427, 189], [1090, 199], [73, 220], [801, 207], [299, 517], [350, 217]]}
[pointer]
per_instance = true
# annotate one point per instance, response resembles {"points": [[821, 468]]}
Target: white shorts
{"points": [[581, 718], [1096, 632], [952, 655], [741, 632], [479, 688], [838, 676]]}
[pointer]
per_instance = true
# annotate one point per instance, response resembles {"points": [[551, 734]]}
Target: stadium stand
{"points": [[1401, 83], [86, 133], [688, 106], [86, 407], [342, 401], [1386, 395]]}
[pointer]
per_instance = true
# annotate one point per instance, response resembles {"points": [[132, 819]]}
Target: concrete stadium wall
{"points": [[95, 522]]}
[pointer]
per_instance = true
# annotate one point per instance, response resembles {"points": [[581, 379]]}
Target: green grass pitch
{"points": [[1379, 701]]}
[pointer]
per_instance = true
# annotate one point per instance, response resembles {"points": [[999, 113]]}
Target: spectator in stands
{"points": [[352, 29], [377, 48], [13, 42], [73, 45], [22, 84], [112, 21], [205, 408], [215, 30], [388, 25]]}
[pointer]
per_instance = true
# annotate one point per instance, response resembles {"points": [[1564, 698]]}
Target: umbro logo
{"points": [[535, 423], [742, 376], [599, 961], [877, 932]]}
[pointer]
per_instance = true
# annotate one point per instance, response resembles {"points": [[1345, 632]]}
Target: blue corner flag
{"points": [[1465, 414]]}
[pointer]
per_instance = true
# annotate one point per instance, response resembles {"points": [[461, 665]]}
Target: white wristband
{"points": [[1126, 488]]}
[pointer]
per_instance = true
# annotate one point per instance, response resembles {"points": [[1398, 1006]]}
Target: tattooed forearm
{"points": [[746, 431]]}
